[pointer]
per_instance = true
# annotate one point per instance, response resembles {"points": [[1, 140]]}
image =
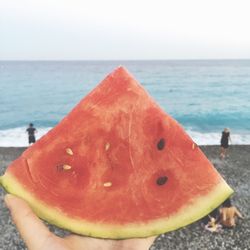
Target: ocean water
{"points": [[203, 95]]}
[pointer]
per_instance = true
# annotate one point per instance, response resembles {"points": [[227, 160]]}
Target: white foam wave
{"points": [[213, 138], [18, 137]]}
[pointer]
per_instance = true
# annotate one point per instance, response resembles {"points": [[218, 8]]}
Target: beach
{"points": [[236, 171]]}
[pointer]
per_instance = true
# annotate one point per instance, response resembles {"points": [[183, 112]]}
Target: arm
{"points": [[237, 212]]}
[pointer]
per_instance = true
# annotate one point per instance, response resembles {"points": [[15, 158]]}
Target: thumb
{"points": [[33, 231]]}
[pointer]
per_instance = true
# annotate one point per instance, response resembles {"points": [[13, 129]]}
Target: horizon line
{"points": [[110, 60]]}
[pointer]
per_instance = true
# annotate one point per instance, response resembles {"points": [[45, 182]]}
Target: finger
{"points": [[79, 242], [32, 230]]}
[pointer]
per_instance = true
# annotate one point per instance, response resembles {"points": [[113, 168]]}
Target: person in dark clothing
{"points": [[31, 133], [224, 142]]}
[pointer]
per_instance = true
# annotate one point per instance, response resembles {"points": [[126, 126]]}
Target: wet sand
{"points": [[235, 169]]}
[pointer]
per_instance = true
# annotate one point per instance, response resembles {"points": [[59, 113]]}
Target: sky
{"points": [[124, 30]]}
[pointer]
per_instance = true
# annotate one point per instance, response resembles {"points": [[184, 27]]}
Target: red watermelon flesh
{"points": [[117, 166]]}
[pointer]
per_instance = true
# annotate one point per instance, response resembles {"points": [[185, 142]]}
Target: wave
{"points": [[17, 137], [213, 138]]}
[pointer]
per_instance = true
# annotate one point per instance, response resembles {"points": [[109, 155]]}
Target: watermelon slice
{"points": [[117, 166]]}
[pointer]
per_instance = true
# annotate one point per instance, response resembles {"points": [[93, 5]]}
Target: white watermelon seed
{"points": [[69, 151], [193, 146], [107, 146], [107, 184], [66, 167]]}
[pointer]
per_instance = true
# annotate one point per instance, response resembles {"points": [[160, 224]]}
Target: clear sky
{"points": [[129, 29]]}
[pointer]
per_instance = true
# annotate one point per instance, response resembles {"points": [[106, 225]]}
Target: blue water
{"points": [[203, 95]]}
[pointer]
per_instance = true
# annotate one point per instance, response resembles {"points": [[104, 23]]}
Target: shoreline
{"points": [[17, 137], [236, 171]]}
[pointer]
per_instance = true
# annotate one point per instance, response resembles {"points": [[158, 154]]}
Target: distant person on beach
{"points": [[229, 214], [31, 133], [213, 226], [214, 214], [224, 142], [211, 221]]}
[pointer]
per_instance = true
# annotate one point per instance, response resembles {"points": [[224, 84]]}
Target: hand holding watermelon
{"points": [[117, 166], [37, 236]]}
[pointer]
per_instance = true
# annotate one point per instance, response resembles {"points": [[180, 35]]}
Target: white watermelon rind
{"points": [[200, 207]]}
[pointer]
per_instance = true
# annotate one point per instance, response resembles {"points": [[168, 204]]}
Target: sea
{"points": [[204, 96]]}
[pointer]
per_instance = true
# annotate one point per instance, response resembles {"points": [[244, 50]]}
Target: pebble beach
{"points": [[236, 171]]}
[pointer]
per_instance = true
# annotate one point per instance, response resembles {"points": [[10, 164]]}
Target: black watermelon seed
{"points": [[161, 144], [162, 180]]}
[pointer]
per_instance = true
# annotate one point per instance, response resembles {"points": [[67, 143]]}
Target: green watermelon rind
{"points": [[200, 207]]}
